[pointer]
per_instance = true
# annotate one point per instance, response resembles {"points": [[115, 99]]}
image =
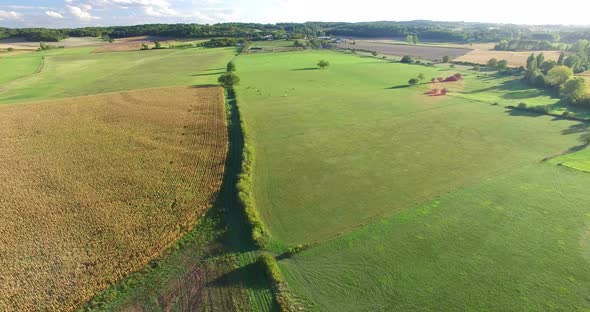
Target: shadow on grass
{"points": [[208, 74], [306, 68], [248, 276], [523, 113], [577, 128]]}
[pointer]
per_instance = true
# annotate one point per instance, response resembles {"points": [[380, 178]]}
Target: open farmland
{"points": [[431, 53], [14, 68], [81, 74], [516, 242], [130, 44], [75, 42], [515, 59], [100, 185], [356, 125]]}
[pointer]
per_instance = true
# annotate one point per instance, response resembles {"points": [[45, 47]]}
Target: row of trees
{"points": [[513, 36], [557, 76]]}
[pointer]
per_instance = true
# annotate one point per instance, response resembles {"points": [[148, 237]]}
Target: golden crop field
{"points": [[515, 59], [95, 187]]}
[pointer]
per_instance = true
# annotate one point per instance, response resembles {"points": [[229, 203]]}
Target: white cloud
{"points": [[53, 14], [9, 15], [80, 13]]}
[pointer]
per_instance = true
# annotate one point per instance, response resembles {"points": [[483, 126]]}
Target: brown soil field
{"points": [[417, 51], [515, 59], [95, 187], [130, 44]]}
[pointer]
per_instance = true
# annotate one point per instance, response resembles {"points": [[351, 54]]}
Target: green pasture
{"points": [[516, 242], [83, 74], [340, 147], [12, 68]]}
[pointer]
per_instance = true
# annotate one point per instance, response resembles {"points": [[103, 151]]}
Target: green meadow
{"points": [[516, 242], [338, 148], [79, 73]]}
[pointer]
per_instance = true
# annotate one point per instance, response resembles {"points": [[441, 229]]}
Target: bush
{"points": [[476, 68], [445, 59], [492, 62], [281, 293], [406, 59], [495, 103], [567, 114], [452, 66], [413, 82], [10, 49], [543, 109], [229, 79], [522, 105], [323, 64], [297, 249]]}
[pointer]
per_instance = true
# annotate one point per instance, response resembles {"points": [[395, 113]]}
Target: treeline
{"points": [[516, 36], [559, 77], [525, 45]]}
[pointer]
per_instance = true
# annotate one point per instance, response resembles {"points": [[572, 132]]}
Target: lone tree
{"points": [[492, 62], [445, 59], [501, 65], [406, 59], [323, 64], [573, 90], [231, 67], [229, 79], [413, 82], [558, 75]]}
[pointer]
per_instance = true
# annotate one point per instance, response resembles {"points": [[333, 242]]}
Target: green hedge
{"points": [[281, 292], [260, 234]]}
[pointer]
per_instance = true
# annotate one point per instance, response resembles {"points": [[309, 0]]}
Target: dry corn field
{"points": [[515, 59], [95, 187]]}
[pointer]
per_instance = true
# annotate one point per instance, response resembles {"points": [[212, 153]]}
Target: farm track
{"points": [[117, 180]]}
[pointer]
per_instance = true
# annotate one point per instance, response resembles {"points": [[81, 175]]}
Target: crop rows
{"points": [[99, 186]]}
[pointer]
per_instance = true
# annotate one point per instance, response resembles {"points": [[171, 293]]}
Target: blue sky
{"points": [[73, 13]]}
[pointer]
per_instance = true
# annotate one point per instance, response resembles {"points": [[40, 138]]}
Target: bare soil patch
{"points": [[95, 187], [417, 51], [131, 44]]}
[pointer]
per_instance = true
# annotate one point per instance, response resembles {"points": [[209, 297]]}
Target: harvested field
{"points": [[416, 51], [73, 42], [100, 185], [515, 59], [131, 44]]}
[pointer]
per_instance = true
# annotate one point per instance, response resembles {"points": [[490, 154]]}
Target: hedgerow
{"points": [[259, 233], [281, 292]]}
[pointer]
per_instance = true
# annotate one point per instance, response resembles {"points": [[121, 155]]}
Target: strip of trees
{"points": [[559, 77]]}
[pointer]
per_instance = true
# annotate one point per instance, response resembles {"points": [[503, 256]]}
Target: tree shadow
{"points": [[207, 74], [306, 68], [577, 128], [397, 87], [523, 113], [247, 276]]}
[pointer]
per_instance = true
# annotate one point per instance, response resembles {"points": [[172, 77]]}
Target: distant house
{"points": [[325, 38], [339, 40], [268, 37]]}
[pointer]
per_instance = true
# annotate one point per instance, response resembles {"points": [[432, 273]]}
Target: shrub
{"points": [[567, 114], [522, 105], [495, 103], [406, 59], [452, 66], [413, 82], [231, 67], [297, 249], [323, 64], [543, 109], [10, 49], [374, 53], [229, 79], [476, 68], [445, 59], [281, 293], [492, 62]]}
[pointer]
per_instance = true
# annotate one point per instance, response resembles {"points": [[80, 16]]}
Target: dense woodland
{"points": [[510, 37]]}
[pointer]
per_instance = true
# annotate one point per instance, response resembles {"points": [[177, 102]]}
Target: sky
{"points": [[79, 13]]}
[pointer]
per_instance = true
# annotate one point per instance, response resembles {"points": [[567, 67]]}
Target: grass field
{"points": [[82, 74], [100, 185], [338, 147], [517, 242], [14, 68]]}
